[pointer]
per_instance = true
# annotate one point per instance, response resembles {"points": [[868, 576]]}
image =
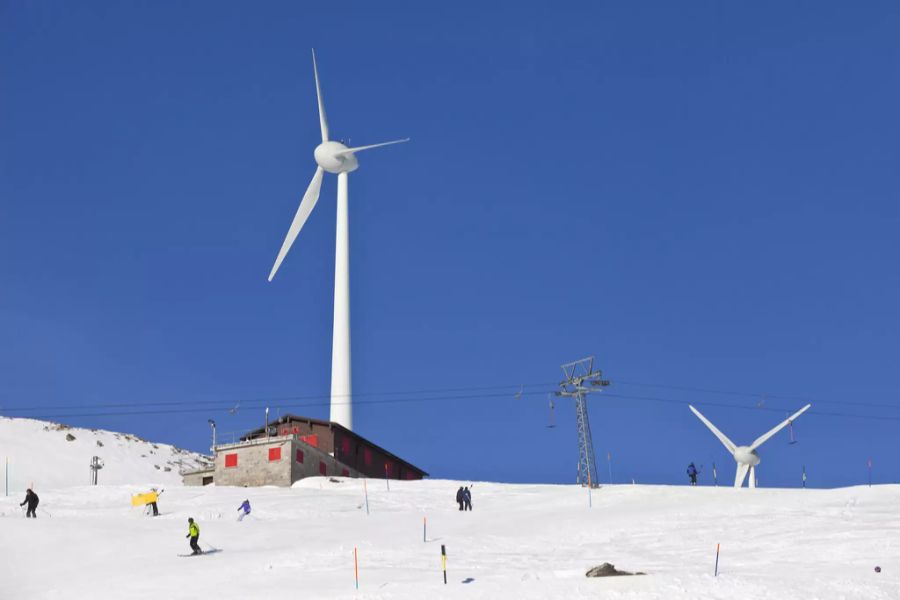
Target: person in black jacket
{"points": [[31, 499], [467, 498], [460, 497]]}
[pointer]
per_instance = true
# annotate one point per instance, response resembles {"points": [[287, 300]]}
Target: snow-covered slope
{"points": [[50, 455], [520, 542]]}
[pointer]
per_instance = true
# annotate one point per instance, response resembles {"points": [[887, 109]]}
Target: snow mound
{"points": [[49, 455]]}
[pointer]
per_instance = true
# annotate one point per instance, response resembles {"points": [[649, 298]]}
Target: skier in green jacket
{"points": [[194, 534]]}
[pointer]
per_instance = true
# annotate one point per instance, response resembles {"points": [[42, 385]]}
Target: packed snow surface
{"points": [[521, 541], [49, 455]]}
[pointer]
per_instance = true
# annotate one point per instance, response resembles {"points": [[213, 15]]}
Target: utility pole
{"points": [[212, 425], [96, 465], [581, 379]]}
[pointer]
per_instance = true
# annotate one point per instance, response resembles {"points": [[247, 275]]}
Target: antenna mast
{"points": [[581, 379]]}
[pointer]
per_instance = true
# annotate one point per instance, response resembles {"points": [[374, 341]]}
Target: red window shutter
{"points": [[345, 446], [367, 456], [296, 430], [284, 431], [322, 468], [312, 440], [345, 473], [274, 454], [299, 456], [231, 460]]}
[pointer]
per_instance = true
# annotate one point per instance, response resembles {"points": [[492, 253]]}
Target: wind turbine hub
{"points": [[334, 157], [746, 456]]}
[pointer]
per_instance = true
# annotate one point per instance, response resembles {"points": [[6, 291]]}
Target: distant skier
{"points": [[194, 534], [244, 509], [460, 497], [467, 498], [31, 499], [692, 473]]}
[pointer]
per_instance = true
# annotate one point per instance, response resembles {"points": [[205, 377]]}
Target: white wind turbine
{"points": [[337, 158], [746, 456]]}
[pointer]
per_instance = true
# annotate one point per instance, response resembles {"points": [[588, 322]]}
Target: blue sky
{"points": [[703, 196]]}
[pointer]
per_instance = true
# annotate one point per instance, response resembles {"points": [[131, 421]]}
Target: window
{"points": [[312, 440], [367, 456], [296, 430], [230, 460], [322, 468], [274, 454], [299, 456], [345, 446]]}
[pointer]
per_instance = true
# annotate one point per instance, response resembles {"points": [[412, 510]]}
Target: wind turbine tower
{"points": [[745, 456], [333, 157]]}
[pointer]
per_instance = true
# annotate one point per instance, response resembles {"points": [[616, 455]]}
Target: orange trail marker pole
{"points": [[716, 573], [356, 568]]}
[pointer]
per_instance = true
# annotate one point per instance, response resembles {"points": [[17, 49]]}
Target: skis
{"points": [[204, 553]]}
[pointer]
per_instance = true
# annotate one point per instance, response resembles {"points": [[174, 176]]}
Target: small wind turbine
{"points": [[336, 158], [746, 456]]}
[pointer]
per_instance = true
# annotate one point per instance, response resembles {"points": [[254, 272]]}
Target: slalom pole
{"points": [[386, 480], [590, 505], [609, 464], [444, 561], [424, 529], [716, 573], [366, 492], [356, 567]]}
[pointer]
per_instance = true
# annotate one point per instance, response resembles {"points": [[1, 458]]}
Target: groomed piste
{"points": [[520, 541]]}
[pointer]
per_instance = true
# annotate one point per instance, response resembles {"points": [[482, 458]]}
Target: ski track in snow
{"points": [[520, 542]]}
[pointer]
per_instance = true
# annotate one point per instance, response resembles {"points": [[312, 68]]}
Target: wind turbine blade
{"points": [[722, 437], [360, 148], [323, 122], [306, 206], [761, 439]]}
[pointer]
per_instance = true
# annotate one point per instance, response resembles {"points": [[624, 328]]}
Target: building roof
{"points": [[331, 425]]}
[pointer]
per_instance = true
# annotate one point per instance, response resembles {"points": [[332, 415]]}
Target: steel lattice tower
{"points": [[581, 379]]}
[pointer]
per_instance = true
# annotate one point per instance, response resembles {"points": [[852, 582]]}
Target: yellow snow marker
{"points": [[143, 499]]}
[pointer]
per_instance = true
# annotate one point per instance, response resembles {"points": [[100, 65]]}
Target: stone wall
{"points": [[197, 477], [255, 469]]}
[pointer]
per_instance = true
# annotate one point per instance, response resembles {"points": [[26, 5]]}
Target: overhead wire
{"points": [[325, 400]]}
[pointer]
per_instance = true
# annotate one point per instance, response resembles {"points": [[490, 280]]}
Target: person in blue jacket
{"points": [[244, 509], [692, 473]]}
